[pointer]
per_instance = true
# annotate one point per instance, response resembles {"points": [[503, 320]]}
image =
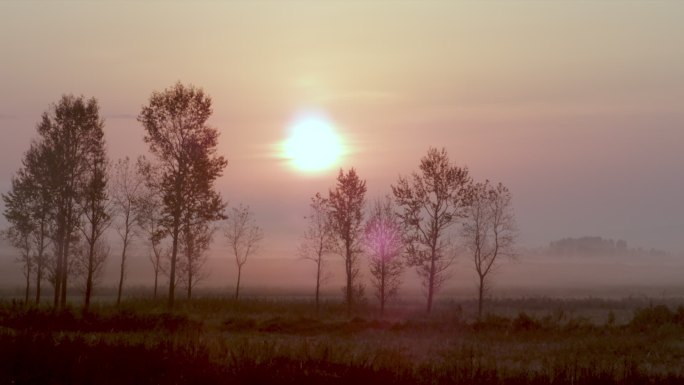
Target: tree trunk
{"points": [[65, 264], [28, 285], [431, 285], [350, 288], [89, 290], [172, 273], [480, 296], [58, 272], [156, 276], [318, 284], [382, 288], [189, 279], [39, 277], [121, 276], [237, 287]]}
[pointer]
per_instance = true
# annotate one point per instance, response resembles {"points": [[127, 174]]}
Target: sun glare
{"points": [[313, 144]]}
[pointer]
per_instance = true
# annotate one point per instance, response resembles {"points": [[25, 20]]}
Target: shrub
{"points": [[652, 316]]}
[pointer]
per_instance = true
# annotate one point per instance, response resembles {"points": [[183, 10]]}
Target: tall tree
{"points": [[88, 265], [18, 214], [35, 174], [176, 130], [384, 245], [318, 239], [346, 203], [195, 242], [148, 209], [243, 237], [430, 203], [488, 232], [69, 132], [95, 208], [127, 188]]}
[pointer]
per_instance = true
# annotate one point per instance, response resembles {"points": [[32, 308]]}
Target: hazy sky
{"points": [[576, 106]]}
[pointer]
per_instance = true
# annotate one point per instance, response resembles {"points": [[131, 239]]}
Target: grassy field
{"points": [[253, 341]]}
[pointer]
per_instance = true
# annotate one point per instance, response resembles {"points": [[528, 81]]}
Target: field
{"points": [[260, 341]]}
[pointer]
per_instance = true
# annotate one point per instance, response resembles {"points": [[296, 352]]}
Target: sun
{"points": [[313, 145]]}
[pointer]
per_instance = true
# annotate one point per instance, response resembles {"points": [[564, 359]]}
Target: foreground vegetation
{"points": [[213, 341]]}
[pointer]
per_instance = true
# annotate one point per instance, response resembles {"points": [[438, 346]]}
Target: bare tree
{"points": [[346, 204], [431, 202], [148, 209], [384, 245], [243, 237], [126, 191], [18, 213], [185, 148], [488, 232], [95, 209], [88, 264], [318, 239], [195, 243]]}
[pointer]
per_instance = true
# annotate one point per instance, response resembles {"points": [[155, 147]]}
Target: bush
{"points": [[524, 323], [653, 316]]}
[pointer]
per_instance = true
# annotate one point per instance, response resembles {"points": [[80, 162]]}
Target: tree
{"points": [[431, 202], [318, 239], [195, 242], [126, 191], [69, 133], [88, 264], [243, 237], [185, 147], [346, 204], [488, 232], [384, 245], [18, 214], [96, 212], [35, 177], [148, 209]]}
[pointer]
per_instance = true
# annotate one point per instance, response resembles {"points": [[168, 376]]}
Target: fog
{"points": [[576, 107]]}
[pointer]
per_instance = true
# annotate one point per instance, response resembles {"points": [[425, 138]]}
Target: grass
{"points": [[218, 341]]}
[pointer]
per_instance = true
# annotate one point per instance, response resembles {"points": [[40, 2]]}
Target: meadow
{"points": [[286, 341]]}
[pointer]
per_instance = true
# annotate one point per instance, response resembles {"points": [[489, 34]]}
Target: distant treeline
{"points": [[597, 246]]}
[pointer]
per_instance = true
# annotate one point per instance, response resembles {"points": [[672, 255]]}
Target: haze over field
{"points": [[576, 107]]}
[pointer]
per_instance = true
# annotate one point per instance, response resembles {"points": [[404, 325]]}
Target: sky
{"points": [[575, 106]]}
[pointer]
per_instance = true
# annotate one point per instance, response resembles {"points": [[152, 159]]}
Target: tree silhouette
{"points": [[488, 231], [148, 209], [185, 148], [194, 244], [70, 137], [95, 209], [88, 265], [346, 204], [18, 213], [126, 191], [384, 245], [431, 202], [318, 239], [243, 237]]}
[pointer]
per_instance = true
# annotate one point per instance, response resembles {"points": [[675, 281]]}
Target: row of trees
{"points": [[67, 194], [415, 227]]}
